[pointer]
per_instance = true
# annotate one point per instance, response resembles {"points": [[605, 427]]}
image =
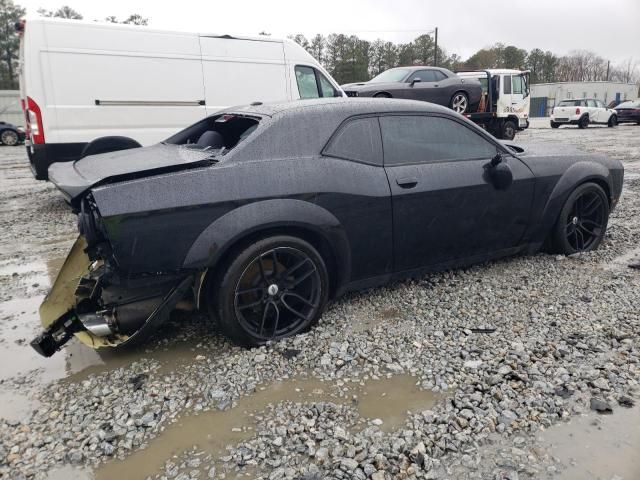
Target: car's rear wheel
{"points": [[382, 95], [555, 125], [9, 138], [583, 220], [459, 102], [583, 122], [613, 121], [275, 288]]}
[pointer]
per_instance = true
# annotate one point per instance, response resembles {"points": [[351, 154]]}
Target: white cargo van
{"points": [[81, 81]]}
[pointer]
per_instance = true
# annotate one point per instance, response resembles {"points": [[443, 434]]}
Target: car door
{"points": [[594, 114], [422, 85], [446, 206], [603, 112]]}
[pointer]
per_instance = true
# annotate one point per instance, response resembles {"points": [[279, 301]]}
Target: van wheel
{"points": [[108, 144], [9, 138], [613, 121], [275, 288], [584, 122]]}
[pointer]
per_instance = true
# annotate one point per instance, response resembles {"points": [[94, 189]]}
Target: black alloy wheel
{"points": [[583, 220], [276, 288]]}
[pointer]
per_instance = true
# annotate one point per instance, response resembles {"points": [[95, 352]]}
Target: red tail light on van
{"points": [[34, 122]]}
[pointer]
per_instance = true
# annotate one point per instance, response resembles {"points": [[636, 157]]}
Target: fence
{"points": [[10, 109]]}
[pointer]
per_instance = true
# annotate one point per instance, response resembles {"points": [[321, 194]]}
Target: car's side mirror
{"points": [[414, 81]]}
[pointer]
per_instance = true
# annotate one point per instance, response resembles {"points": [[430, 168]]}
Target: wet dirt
{"points": [[386, 399], [597, 447]]}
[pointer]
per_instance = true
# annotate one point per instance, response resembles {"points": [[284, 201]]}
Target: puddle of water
{"points": [[386, 399], [16, 406], [607, 450], [46, 270]]}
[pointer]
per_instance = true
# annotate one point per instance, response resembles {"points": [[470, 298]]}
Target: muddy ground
{"points": [[190, 405]]}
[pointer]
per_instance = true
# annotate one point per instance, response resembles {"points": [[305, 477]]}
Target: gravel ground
{"points": [[510, 348]]}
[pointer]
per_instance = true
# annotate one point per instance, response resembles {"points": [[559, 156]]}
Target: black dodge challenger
{"points": [[260, 214]]}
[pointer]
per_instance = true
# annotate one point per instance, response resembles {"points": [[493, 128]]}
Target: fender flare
{"points": [[216, 240]]}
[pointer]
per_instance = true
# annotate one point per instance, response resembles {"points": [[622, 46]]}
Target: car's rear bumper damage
{"points": [[90, 302]]}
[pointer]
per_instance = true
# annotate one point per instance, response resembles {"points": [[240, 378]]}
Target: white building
{"points": [[544, 96]]}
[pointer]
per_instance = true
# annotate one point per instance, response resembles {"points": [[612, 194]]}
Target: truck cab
{"points": [[504, 106]]}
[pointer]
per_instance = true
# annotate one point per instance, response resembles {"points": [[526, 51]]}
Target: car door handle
{"points": [[407, 182]]}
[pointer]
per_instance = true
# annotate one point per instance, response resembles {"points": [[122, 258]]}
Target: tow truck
{"points": [[504, 107]]}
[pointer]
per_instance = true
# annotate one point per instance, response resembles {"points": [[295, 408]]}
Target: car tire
{"points": [[613, 121], [508, 130], [9, 138], [582, 222], [583, 122], [382, 95], [555, 125], [253, 302], [459, 102]]}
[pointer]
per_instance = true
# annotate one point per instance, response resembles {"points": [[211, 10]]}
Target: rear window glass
{"points": [[358, 140], [630, 104], [570, 103], [219, 132]]}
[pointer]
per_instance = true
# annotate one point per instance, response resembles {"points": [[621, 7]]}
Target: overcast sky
{"points": [[611, 28]]}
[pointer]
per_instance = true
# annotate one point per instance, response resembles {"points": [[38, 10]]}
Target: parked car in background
{"points": [[429, 84], [628, 112], [504, 107], [11, 135], [91, 87], [260, 214], [582, 112]]}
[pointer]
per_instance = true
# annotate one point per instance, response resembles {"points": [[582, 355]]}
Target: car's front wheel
{"points": [[9, 138], [274, 288], [459, 102], [582, 222]]}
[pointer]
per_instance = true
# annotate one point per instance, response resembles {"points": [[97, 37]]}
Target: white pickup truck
{"points": [[582, 112]]}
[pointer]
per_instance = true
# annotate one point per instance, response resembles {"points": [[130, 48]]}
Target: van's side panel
{"points": [[238, 71], [139, 83]]}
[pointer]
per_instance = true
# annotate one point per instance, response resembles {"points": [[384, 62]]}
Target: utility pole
{"points": [[607, 70], [435, 51]]}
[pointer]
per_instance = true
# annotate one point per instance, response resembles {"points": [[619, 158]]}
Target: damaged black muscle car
{"points": [[260, 214]]}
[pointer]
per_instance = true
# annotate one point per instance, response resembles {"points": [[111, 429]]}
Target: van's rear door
{"points": [[238, 71]]}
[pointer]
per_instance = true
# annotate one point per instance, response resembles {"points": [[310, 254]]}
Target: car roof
{"points": [[347, 106]]}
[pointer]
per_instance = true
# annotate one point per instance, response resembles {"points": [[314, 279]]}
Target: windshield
{"points": [[393, 75], [570, 103]]}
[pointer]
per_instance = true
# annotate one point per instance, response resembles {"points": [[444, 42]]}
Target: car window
{"points": [[439, 75], [599, 104], [326, 88], [516, 82], [591, 103], [357, 140], [422, 139], [306, 79], [390, 76], [423, 75], [507, 83]]}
